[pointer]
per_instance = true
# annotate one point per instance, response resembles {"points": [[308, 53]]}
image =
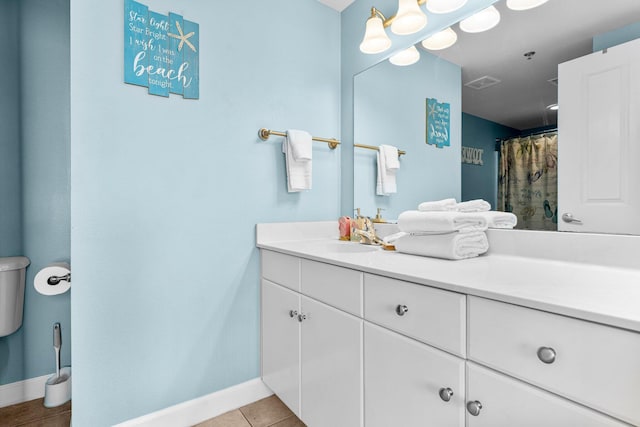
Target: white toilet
{"points": [[12, 278]]}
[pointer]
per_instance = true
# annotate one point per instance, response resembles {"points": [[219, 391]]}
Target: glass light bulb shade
{"points": [[409, 18], [445, 6], [406, 57], [552, 107], [375, 38], [442, 40], [524, 4], [484, 20]]}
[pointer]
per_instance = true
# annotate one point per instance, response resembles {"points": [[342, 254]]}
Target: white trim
{"points": [[202, 408], [22, 391]]}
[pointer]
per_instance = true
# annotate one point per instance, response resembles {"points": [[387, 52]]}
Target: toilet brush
{"points": [[58, 387]]}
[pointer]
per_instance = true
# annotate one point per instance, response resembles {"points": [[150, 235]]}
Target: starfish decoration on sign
{"points": [[183, 37], [432, 110]]}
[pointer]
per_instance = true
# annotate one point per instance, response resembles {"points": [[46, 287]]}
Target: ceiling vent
{"points": [[483, 82], [553, 81]]}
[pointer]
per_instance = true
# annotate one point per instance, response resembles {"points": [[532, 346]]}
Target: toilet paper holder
{"points": [[54, 280]]}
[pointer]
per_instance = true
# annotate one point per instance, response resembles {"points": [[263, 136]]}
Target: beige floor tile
{"points": [[230, 419], [292, 421], [266, 412]]}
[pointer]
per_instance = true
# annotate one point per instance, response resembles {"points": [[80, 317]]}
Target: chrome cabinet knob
{"points": [[547, 354], [445, 394], [302, 317], [293, 313], [474, 408], [568, 217], [401, 310]]}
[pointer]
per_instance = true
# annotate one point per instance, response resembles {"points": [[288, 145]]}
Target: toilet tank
{"points": [[12, 278]]}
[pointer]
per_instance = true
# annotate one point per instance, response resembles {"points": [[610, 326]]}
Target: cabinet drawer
{"points": [[281, 269], [336, 286], [509, 402], [433, 316], [596, 365]]}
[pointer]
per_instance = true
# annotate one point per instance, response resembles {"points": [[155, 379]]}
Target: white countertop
{"points": [[589, 291]]}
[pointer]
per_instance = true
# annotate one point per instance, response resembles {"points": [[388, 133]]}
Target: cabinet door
{"points": [[509, 402], [331, 362], [281, 343], [598, 149], [403, 379]]}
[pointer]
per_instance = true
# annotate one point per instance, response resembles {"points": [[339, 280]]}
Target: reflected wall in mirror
{"points": [[390, 108], [515, 106]]}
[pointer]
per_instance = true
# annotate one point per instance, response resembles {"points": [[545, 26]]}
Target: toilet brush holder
{"points": [[57, 389]]}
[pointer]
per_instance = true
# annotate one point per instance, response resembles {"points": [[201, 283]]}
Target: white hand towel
{"points": [[390, 156], [298, 172], [300, 144], [386, 180], [477, 205], [499, 219], [448, 246], [439, 222], [438, 205]]}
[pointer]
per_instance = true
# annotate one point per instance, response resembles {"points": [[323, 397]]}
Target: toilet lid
{"points": [[13, 263]]}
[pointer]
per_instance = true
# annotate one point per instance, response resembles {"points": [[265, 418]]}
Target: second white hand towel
{"points": [[440, 222], [299, 169], [386, 180], [448, 246], [497, 219]]}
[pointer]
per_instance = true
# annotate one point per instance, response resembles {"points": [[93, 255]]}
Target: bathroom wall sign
{"points": [[472, 156], [161, 52], [438, 123]]}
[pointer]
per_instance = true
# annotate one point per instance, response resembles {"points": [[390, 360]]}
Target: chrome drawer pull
{"points": [[445, 394], [474, 408], [401, 310], [546, 354], [293, 313]]}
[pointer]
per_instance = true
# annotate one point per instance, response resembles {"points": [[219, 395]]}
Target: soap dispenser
{"points": [[356, 224]]}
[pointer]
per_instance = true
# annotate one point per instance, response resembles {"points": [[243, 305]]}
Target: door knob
{"points": [[401, 310], [445, 394], [568, 217], [474, 408]]}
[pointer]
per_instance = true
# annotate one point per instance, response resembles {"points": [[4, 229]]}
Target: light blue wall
{"points": [[10, 185], [481, 182], [166, 194], [353, 61], [44, 133], [398, 117], [616, 37]]}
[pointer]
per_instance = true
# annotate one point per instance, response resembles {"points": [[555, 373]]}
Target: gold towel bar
{"points": [[333, 143]]}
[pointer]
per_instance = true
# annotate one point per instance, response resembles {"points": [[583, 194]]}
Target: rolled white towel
{"points": [[448, 246], [440, 222], [497, 219], [477, 205], [438, 205]]}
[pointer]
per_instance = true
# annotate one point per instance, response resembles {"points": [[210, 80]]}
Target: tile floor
{"points": [[268, 412]]}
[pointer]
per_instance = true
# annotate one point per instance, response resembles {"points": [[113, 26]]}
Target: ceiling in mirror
{"points": [[525, 83]]}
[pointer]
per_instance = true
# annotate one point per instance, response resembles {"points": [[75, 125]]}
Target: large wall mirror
{"points": [[502, 86]]}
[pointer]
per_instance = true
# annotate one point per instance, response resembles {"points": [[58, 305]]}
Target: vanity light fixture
{"points": [[445, 6], [524, 4], [442, 40], [405, 57], [484, 20], [375, 38], [408, 20]]}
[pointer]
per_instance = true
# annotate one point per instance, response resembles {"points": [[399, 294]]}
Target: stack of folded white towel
{"points": [[298, 152], [447, 229], [388, 165]]}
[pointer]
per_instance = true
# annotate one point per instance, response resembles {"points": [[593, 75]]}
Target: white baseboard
{"points": [[22, 391], [197, 410]]}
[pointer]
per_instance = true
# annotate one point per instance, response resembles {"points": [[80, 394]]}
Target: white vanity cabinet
{"points": [[312, 351]]}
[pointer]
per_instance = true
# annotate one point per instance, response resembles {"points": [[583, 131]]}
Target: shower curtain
{"points": [[528, 180]]}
